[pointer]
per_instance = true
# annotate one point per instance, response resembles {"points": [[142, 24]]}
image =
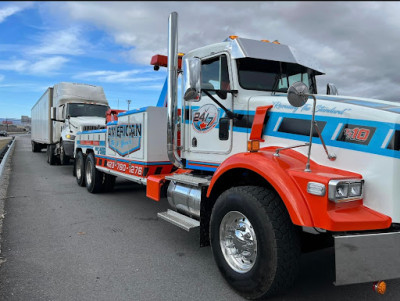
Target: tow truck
{"points": [[256, 160]]}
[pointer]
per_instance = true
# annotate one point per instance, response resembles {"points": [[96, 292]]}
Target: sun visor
{"points": [[241, 48], [76, 92]]}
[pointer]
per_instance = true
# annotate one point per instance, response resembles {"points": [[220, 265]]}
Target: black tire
{"points": [[93, 177], [35, 147], [271, 263], [64, 159], [79, 167], [51, 158], [109, 182]]}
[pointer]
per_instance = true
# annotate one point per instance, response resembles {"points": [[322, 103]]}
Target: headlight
{"points": [[69, 136], [345, 190]]}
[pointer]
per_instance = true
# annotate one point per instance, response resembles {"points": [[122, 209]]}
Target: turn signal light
{"points": [[253, 145], [380, 287]]}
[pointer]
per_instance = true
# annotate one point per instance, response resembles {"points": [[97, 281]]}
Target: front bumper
{"points": [[367, 257], [69, 148]]}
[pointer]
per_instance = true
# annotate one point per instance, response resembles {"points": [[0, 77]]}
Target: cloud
{"points": [[108, 76], [47, 65], [356, 42], [16, 7], [64, 42], [43, 66]]}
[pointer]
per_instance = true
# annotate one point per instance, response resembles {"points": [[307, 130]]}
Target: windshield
{"points": [[83, 109], [255, 74]]}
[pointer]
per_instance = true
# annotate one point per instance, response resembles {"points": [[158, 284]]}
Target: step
{"points": [[189, 180], [180, 220]]}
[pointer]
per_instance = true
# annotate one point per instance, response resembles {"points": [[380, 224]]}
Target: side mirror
{"points": [[298, 94], [192, 79], [331, 89], [53, 113]]}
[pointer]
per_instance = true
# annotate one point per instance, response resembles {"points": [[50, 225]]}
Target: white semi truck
{"points": [[61, 112], [260, 172]]}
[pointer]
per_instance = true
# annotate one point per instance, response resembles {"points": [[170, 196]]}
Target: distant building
{"points": [[25, 120]]}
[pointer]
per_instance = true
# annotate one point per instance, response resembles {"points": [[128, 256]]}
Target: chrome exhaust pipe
{"points": [[172, 89]]}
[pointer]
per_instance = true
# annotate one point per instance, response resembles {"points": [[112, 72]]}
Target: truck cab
{"points": [[78, 117], [253, 73], [76, 108]]}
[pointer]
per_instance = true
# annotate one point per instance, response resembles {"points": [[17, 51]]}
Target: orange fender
{"points": [[274, 171]]}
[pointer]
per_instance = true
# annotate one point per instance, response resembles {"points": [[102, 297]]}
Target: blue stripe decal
{"points": [[189, 164], [374, 146], [93, 132], [395, 110], [144, 109], [162, 100], [113, 122], [135, 162]]}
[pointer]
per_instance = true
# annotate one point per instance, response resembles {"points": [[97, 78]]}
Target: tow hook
{"points": [[379, 287]]}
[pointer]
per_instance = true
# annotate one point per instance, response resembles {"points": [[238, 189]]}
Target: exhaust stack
{"points": [[172, 89]]}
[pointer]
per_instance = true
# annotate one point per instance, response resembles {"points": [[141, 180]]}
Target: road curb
{"points": [[5, 171]]}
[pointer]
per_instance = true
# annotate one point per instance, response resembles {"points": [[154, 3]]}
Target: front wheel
{"points": [[51, 157], [93, 177], [80, 169], [254, 243], [64, 159]]}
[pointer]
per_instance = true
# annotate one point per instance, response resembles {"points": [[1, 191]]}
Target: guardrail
{"points": [[4, 153]]}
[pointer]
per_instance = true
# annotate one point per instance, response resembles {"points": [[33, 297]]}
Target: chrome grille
{"points": [[93, 127]]}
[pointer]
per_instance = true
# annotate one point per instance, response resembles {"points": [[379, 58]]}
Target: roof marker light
{"points": [[266, 41], [233, 37], [276, 42]]}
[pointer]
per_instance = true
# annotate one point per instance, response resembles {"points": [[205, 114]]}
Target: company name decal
{"points": [[125, 138], [308, 108], [205, 118]]}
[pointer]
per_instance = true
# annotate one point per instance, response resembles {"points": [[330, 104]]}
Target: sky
{"points": [[110, 44]]}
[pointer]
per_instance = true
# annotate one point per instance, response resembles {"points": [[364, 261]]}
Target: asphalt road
{"points": [[62, 243]]}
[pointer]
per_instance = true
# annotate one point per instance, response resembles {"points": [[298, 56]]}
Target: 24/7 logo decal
{"points": [[205, 118]]}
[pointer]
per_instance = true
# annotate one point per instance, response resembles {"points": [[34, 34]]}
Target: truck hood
{"points": [[87, 123], [362, 124]]}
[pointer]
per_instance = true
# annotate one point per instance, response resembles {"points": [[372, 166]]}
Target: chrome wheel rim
{"points": [[238, 241], [79, 169], [88, 173]]}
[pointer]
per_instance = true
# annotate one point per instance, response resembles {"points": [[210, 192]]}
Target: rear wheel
{"points": [[35, 147], [51, 158], [254, 242], [93, 177], [80, 169]]}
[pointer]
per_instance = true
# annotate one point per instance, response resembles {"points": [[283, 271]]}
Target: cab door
{"points": [[209, 129]]}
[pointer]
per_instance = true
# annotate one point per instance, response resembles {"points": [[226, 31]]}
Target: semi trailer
{"points": [[258, 161], [61, 112]]}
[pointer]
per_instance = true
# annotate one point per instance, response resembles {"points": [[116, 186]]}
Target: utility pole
{"points": [[129, 102]]}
